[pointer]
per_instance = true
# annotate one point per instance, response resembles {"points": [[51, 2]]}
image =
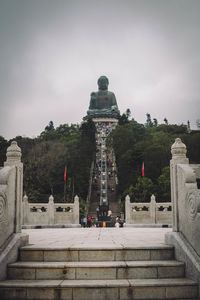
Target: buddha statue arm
{"points": [[93, 101], [113, 100]]}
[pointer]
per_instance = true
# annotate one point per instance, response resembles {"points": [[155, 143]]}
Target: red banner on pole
{"points": [[143, 169], [65, 174]]}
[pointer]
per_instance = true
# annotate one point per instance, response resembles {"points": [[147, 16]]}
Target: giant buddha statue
{"points": [[103, 103]]}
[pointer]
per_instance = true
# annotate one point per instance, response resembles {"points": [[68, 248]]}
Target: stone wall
{"points": [[50, 213], [186, 210], [148, 213], [11, 184]]}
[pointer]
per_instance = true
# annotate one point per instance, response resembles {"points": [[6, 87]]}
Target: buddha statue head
{"points": [[103, 83]]}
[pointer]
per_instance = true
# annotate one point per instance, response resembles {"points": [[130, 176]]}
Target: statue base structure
{"points": [[110, 120]]}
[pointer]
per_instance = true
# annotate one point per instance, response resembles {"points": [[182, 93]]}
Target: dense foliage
{"points": [[46, 156], [73, 146], [135, 143]]}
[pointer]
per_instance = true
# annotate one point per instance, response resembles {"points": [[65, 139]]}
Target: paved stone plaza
{"points": [[96, 237]]}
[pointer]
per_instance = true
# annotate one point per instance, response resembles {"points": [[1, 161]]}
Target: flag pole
{"points": [[65, 185], [64, 191], [73, 190], [143, 169]]}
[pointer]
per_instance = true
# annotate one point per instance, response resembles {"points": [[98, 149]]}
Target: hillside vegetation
{"points": [[135, 143], [46, 156]]}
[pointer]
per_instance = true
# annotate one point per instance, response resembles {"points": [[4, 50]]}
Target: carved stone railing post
{"points": [[153, 209], [178, 151], [25, 209], [14, 159], [76, 209], [51, 209], [127, 209]]}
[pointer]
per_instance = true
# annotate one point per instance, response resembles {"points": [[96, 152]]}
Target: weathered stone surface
{"points": [[41, 214], [61, 255], [21, 273], [64, 294], [11, 187], [161, 254], [95, 273], [48, 273], [98, 255], [40, 294], [31, 255], [149, 293], [181, 292], [134, 254], [12, 293], [95, 293], [135, 214], [171, 272], [136, 273], [126, 293]]}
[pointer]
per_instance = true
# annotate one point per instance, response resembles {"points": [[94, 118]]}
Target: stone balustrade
{"points": [[50, 213], [186, 210], [11, 185], [148, 213]]}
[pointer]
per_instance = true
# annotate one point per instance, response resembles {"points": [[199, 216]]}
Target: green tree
{"points": [[128, 113], [165, 121], [50, 126], [155, 122], [3, 146], [123, 119], [149, 123], [164, 194], [143, 190]]}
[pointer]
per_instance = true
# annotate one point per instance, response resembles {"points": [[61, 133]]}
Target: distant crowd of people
{"points": [[103, 129], [93, 222]]}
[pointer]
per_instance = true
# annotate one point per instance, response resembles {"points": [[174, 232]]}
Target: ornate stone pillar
{"points": [[14, 159], [76, 209], [25, 210], [127, 209], [153, 209], [51, 210], [178, 151]]}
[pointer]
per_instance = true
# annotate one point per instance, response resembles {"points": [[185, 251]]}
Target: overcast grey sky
{"points": [[53, 51]]}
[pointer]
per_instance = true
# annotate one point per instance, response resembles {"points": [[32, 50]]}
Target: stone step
{"points": [[96, 270], [29, 253], [146, 289]]}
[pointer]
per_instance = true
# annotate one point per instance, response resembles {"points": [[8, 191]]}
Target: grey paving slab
{"points": [[96, 238]]}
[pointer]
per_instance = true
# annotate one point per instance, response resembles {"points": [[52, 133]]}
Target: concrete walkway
{"points": [[96, 238]]}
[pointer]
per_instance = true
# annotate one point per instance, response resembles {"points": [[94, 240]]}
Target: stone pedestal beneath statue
{"points": [[105, 120]]}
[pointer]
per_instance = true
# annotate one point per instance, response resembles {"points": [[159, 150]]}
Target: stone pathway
{"points": [[96, 237]]}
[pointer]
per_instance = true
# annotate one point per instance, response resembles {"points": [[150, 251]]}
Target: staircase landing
{"points": [[96, 237], [97, 264]]}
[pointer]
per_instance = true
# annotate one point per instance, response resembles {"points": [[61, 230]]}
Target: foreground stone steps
{"points": [[178, 288], [96, 270], [97, 273], [97, 254]]}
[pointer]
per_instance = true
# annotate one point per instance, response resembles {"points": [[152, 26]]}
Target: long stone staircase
{"points": [[97, 274]]}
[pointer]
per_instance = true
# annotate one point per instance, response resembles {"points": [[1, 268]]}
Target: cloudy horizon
{"points": [[53, 52]]}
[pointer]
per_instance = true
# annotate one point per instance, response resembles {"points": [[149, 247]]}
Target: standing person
{"points": [[117, 224], [97, 211], [109, 213], [84, 221], [89, 221]]}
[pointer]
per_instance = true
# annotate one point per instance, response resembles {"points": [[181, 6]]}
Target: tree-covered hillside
{"points": [[46, 156], [135, 143]]}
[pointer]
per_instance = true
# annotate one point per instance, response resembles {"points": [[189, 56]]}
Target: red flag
{"points": [[65, 174], [143, 169]]}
